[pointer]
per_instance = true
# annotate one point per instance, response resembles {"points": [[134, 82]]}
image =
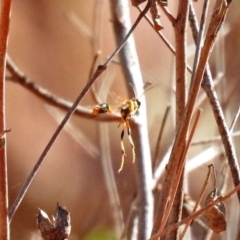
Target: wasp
{"points": [[127, 109]]}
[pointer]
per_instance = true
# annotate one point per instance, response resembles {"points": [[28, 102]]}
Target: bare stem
{"points": [[131, 69], [110, 181], [199, 42], [213, 139], [4, 30], [160, 136], [198, 201], [180, 29]]}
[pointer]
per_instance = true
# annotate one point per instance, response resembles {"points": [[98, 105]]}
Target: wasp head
{"points": [[101, 108]]}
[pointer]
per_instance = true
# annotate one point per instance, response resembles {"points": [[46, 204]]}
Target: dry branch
{"points": [[131, 69], [4, 30]]}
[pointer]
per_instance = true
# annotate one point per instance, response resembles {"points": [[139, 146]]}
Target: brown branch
{"points": [[199, 40], [4, 30], [17, 76], [180, 27]]}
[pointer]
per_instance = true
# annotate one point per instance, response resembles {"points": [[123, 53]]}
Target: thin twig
{"points": [[234, 120], [180, 30], [98, 72], [199, 42], [198, 201], [131, 69], [132, 215], [160, 135], [110, 181], [213, 139], [4, 30], [141, 15]]}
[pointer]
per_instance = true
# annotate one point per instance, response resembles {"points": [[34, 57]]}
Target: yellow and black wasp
{"points": [[127, 109]]}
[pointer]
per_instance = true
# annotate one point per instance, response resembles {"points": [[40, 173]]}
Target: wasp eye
{"points": [[139, 103], [105, 108]]}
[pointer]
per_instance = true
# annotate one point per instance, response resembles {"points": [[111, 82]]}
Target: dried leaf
{"points": [[216, 216], [137, 2], [156, 17], [162, 2], [44, 223], [58, 229]]}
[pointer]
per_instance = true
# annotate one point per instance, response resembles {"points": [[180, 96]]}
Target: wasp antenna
{"points": [[134, 90], [147, 90]]}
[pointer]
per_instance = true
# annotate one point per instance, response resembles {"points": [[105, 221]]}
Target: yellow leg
{"points": [[122, 163], [131, 141], [123, 149]]}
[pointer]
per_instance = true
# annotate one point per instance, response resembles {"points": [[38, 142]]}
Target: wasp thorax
{"points": [[129, 108]]}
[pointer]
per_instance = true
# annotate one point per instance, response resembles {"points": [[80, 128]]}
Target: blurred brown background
{"points": [[53, 43]]}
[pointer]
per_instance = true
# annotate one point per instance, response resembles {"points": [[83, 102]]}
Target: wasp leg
{"points": [[131, 141], [123, 149]]}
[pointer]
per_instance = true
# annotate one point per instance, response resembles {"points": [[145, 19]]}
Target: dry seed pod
{"points": [[216, 216], [58, 229]]}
